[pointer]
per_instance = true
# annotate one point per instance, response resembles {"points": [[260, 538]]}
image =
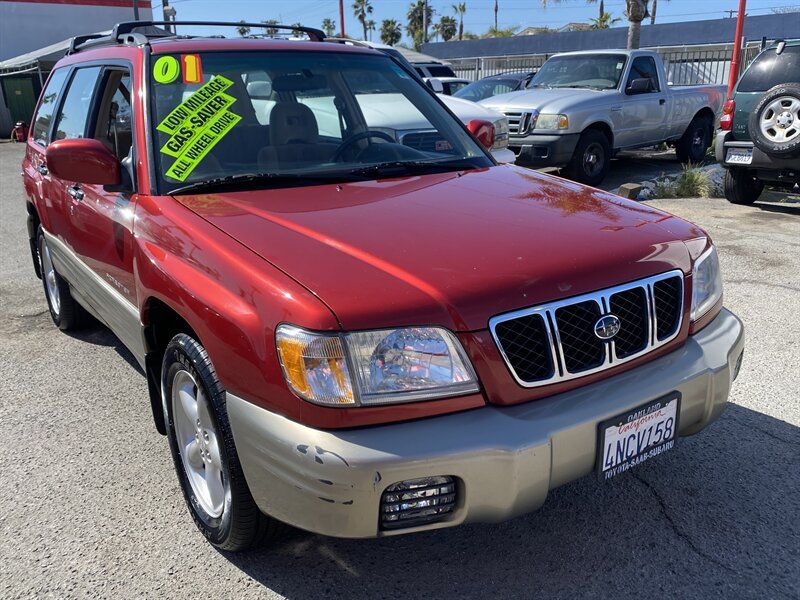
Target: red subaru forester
{"points": [[350, 323]]}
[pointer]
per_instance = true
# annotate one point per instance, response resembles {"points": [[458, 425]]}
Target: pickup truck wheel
{"points": [[774, 123], [741, 187], [204, 452], [64, 310], [591, 159], [694, 143]]}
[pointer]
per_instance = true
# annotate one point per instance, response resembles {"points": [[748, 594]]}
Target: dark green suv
{"points": [[760, 140]]}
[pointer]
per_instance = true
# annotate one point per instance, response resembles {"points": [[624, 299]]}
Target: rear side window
{"points": [[441, 71], [770, 69], [71, 121], [114, 125], [44, 116]]}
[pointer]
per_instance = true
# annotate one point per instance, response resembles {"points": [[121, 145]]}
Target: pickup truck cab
{"points": [[341, 332], [583, 107]]}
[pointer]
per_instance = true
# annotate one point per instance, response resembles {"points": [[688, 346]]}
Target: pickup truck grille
{"points": [[518, 122], [425, 141], [557, 341]]}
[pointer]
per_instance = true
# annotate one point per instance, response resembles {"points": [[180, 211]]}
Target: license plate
{"points": [[633, 437], [739, 156]]}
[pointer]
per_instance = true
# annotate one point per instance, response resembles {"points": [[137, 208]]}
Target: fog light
{"points": [[417, 502]]}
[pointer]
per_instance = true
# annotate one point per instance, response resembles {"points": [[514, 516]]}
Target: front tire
{"points": [[591, 159], [741, 187], [204, 452], [695, 141], [64, 309]]}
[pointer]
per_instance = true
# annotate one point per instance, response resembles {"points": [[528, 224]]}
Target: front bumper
{"points": [[765, 167], [506, 459], [544, 150]]}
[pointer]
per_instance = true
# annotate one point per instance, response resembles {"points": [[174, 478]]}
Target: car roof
{"points": [[165, 45], [514, 75]]}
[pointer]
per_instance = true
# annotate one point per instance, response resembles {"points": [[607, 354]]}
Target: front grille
{"points": [[669, 301], [417, 502], [425, 141], [581, 352], [557, 341], [518, 122]]}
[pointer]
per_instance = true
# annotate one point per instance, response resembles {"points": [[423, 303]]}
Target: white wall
{"points": [[27, 26]]}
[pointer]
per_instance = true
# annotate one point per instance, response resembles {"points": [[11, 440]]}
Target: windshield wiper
{"points": [[398, 167], [257, 180]]}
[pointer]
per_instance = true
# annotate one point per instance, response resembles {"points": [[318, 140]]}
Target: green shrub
{"points": [[691, 183]]}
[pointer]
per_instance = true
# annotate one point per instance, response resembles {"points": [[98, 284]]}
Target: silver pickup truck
{"points": [[581, 108]]}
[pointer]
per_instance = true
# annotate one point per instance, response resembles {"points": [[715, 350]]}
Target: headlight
{"points": [[706, 283], [374, 367], [551, 122], [500, 134]]}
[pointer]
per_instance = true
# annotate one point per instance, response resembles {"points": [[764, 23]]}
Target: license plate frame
{"points": [[669, 403], [739, 156]]}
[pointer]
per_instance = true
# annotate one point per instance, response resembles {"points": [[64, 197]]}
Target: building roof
{"points": [[43, 58], [714, 31]]}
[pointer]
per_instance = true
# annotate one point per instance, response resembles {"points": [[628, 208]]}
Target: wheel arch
{"points": [[704, 112], [33, 222], [603, 128], [161, 322]]}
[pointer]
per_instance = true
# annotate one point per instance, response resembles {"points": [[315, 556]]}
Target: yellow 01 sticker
{"points": [[166, 69]]}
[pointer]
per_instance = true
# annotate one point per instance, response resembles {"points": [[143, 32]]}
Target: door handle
{"points": [[42, 169], [76, 192], [662, 101]]}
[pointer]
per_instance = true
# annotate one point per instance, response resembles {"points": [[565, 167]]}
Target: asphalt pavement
{"points": [[90, 506]]}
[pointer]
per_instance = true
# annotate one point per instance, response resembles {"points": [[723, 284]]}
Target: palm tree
{"points": [[604, 21], [447, 28], [416, 27], [391, 33], [370, 28], [270, 31], [636, 11], [243, 30], [362, 8], [495, 32], [460, 9], [329, 25]]}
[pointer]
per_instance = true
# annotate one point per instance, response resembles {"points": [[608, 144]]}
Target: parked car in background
{"points": [[494, 85], [465, 110], [583, 107], [451, 82], [341, 332], [760, 139]]}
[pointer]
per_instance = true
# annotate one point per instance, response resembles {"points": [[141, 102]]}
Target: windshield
{"points": [[770, 68], [299, 117], [486, 88], [595, 71]]}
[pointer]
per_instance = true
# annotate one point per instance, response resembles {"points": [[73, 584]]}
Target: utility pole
{"points": [[737, 47], [169, 14], [135, 10], [341, 19], [425, 21], [495, 15]]}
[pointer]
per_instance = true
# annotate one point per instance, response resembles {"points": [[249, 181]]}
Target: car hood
{"points": [[543, 100], [466, 110], [449, 249]]}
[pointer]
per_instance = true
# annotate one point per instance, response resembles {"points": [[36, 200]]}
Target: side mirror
{"points": [[83, 160], [435, 84], [483, 131], [641, 85]]}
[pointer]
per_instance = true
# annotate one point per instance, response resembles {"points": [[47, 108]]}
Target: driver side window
{"points": [[644, 67]]}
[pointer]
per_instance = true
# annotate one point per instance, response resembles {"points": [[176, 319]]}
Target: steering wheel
{"points": [[362, 135]]}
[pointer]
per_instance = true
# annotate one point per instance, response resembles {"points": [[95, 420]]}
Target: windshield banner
{"points": [[196, 125]]}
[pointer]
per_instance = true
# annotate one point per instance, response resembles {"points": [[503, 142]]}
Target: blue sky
{"points": [[479, 16]]}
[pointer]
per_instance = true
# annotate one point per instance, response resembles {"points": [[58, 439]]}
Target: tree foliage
{"points": [[362, 8], [391, 32], [415, 25]]}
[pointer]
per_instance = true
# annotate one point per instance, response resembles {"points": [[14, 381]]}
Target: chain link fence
{"points": [[685, 65]]}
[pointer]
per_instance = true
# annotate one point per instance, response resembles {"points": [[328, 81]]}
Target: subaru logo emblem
{"points": [[607, 327]]}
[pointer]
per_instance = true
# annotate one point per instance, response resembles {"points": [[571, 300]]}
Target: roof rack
{"points": [[125, 32]]}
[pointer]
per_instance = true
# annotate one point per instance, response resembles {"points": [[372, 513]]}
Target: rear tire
{"points": [[65, 311], [741, 187], [204, 452], [591, 159], [695, 141]]}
